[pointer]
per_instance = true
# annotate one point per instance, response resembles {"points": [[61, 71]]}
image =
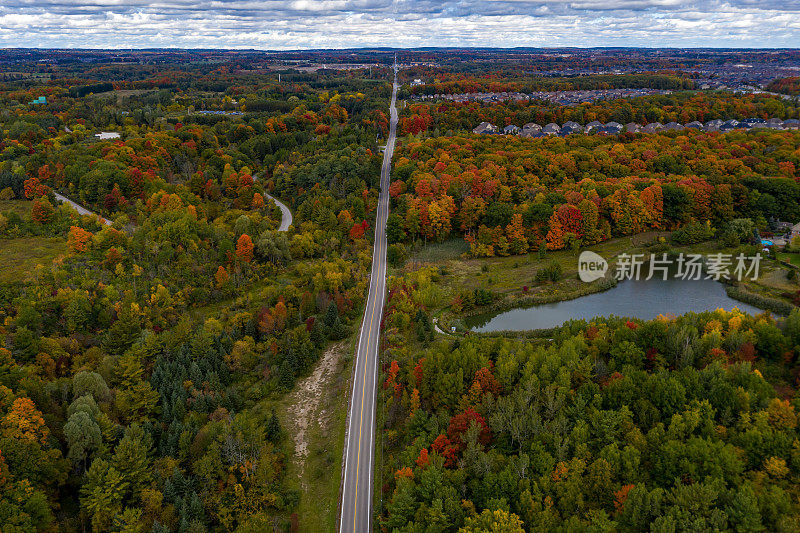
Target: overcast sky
{"points": [[295, 24]]}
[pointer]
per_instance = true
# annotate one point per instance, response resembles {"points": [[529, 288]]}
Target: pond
{"points": [[635, 299]]}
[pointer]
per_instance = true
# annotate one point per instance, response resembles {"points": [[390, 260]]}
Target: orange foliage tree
{"points": [[221, 277], [25, 422], [244, 248], [79, 240], [42, 211]]}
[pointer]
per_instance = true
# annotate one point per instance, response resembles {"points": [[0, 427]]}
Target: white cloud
{"points": [[296, 24]]}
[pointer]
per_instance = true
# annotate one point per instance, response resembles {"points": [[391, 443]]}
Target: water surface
{"points": [[635, 299]]}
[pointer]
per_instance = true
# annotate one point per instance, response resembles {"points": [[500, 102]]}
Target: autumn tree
{"points": [[244, 248], [79, 240], [42, 210]]}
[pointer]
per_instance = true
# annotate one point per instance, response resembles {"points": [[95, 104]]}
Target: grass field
{"points": [[21, 207], [19, 257], [506, 276]]}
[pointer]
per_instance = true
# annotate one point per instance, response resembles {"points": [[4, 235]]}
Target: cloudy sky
{"points": [[295, 24]]}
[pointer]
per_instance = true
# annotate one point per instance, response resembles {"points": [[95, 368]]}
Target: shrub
{"points": [[483, 297], [396, 255], [551, 272], [693, 233]]}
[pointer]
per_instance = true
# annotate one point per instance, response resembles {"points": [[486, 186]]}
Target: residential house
{"points": [[653, 127], [511, 129], [551, 129], [775, 124], [593, 125], [730, 125], [529, 129], [485, 127], [568, 129], [754, 122]]}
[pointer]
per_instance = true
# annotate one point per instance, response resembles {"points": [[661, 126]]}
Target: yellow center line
{"points": [[378, 255], [363, 393]]}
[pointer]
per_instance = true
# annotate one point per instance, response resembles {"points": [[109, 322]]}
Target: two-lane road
{"points": [[356, 511]]}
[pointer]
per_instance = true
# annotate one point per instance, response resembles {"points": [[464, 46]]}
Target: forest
{"points": [[676, 424], [684, 423], [157, 354], [509, 195], [786, 86], [456, 83], [142, 366]]}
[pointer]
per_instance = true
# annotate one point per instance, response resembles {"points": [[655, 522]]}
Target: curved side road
{"points": [[79, 208], [356, 510], [286, 214]]}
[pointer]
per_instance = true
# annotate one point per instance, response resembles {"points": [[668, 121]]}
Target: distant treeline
{"points": [[786, 86], [582, 83], [83, 90]]}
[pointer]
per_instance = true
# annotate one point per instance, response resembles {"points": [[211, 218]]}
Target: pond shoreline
{"points": [[641, 299], [532, 300]]}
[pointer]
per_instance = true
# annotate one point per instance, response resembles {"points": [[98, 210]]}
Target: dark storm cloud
{"points": [[344, 23]]}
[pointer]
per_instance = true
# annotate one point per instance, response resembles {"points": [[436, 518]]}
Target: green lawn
{"points": [[793, 258], [19, 257]]}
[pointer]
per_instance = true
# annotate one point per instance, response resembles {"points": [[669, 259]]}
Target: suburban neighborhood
{"points": [[532, 129]]}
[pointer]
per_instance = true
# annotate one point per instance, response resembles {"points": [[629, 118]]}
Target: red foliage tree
{"points": [[423, 460], [358, 230], [460, 423], [487, 381]]}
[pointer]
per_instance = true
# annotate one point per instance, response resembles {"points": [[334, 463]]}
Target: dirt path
{"points": [[306, 404]]}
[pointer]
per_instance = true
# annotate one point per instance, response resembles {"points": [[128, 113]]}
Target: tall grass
{"points": [[763, 302]]}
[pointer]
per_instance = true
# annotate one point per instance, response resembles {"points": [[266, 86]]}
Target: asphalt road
{"points": [[79, 208], [356, 510], [286, 215]]}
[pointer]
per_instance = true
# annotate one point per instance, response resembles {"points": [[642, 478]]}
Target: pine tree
{"points": [[131, 460], [273, 430]]}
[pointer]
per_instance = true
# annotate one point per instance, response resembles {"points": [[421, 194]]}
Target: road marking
{"points": [[379, 265], [373, 297], [361, 420]]}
